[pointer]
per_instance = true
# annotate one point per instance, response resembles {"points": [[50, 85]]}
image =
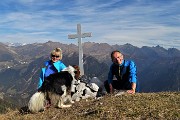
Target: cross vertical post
{"points": [[80, 35], [80, 49]]}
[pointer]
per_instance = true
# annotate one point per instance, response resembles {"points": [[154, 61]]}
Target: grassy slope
{"points": [[164, 105], [4, 106]]}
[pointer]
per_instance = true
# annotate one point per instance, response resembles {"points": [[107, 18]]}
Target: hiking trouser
{"points": [[118, 85]]}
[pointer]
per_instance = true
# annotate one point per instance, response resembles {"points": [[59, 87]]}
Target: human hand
{"points": [[111, 88], [132, 91]]}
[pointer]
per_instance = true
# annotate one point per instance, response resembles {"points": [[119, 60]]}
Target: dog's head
{"points": [[74, 71], [77, 72]]}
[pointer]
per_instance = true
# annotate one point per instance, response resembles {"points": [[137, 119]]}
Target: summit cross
{"points": [[80, 35]]}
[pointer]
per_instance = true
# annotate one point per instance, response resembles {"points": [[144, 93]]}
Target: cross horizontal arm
{"points": [[73, 36], [83, 35]]}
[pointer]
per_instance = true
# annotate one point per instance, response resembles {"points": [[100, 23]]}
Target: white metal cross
{"points": [[80, 35]]}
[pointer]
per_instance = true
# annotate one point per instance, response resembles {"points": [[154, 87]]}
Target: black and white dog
{"points": [[56, 88]]}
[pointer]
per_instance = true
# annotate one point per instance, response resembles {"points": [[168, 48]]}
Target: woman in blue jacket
{"points": [[52, 66], [125, 73]]}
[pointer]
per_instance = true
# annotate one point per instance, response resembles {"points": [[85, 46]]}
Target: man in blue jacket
{"points": [[125, 73]]}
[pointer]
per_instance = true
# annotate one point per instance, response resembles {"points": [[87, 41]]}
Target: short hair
{"points": [[112, 53], [57, 51]]}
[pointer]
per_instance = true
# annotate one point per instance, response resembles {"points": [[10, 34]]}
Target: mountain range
{"points": [[158, 69]]}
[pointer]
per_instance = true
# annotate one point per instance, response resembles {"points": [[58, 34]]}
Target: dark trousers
{"points": [[118, 85]]}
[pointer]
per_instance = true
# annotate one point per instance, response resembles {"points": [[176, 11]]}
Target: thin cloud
{"points": [[138, 22]]}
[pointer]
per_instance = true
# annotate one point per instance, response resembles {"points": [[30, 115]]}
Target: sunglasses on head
{"points": [[54, 56]]}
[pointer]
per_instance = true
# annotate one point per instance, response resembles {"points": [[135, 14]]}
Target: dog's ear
{"points": [[77, 72]]}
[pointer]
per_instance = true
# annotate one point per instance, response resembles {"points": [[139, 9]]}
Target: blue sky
{"points": [[138, 22]]}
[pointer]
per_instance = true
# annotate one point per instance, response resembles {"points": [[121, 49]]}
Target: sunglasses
{"points": [[54, 56]]}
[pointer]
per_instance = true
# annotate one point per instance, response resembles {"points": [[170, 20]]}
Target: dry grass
{"points": [[148, 106]]}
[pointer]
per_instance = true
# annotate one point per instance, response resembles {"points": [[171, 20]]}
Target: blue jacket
{"points": [[124, 72], [58, 65]]}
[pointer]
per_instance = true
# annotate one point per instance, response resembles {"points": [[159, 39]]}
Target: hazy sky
{"points": [[138, 22]]}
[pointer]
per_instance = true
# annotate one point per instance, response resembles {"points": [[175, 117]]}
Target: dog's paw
{"points": [[65, 106], [72, 101]]}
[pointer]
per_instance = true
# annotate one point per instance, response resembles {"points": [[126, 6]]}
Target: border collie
{"points": [[56, 89]]}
